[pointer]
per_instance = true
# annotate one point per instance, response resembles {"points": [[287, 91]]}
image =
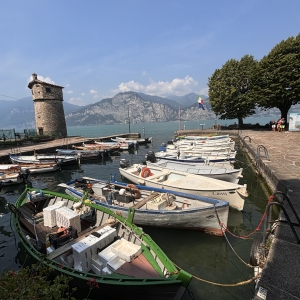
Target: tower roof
{"points": [[35, 80]]}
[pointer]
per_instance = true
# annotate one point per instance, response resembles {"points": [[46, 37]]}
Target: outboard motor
{"points": [[81, 182], [24, 174], [124, 163], [1, 185], [151, 156], [170, 143]]}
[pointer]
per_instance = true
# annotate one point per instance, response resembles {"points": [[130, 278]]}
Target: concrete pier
{"points": [[276, 156]]}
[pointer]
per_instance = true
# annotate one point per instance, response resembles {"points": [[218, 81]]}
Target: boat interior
{"points": [[59, 243]]}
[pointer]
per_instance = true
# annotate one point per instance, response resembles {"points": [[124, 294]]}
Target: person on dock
{"points": [[273, 125], [278, 124], [282, 124]]}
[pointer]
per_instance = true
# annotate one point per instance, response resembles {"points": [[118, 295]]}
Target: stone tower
{"points": [[48, 108]]}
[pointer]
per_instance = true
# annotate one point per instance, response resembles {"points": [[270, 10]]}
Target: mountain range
{"points": [[137, 107], [133, 106]]}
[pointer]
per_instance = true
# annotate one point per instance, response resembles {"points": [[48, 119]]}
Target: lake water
{"points": [[206, 257]]}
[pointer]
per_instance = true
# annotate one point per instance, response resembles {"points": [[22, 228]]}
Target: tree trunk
{"points": [[240, 121]]}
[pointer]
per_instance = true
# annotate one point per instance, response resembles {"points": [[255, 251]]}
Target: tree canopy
{"points": [[277, 77], [229, 89]]}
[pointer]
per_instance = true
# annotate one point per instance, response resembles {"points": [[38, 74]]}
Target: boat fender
{"points": [[122, 191], [146, 173], [133, 188]]}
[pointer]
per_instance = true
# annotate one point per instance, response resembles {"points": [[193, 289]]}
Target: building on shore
{"points": [[48, 108]]}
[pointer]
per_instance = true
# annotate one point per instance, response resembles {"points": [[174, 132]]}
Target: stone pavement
{"points": [[277, 157]]}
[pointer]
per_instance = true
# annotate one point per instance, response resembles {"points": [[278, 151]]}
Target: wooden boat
{"points": [[102, 151], [187, 183], [84, 155], [226, 174], [61, 159], [93, 244], [155, 206], [200, 157], [32, 168], [96, 146], [197, 149], [10, 176], [138, 141], [122, 145], [204, 143], [207, 138]]}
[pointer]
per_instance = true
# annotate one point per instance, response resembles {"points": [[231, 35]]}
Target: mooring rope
{"points": [[224, 284], [223, 226]]}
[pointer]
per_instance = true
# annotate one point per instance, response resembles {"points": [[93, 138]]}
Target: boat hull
{"points": [[119, 285], [190, 185], [204, 219]]}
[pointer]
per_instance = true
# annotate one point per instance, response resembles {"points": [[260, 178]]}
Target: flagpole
{"points": [[179, 119], [128, 120]]}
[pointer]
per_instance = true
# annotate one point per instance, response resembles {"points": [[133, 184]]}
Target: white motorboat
{"points": [[62, 159], [134, 141], [194, 156], [187, 183]]}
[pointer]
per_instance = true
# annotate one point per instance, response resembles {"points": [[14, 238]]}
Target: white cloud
{"points": [[82, 94], [67, 85], [42, 78], [204, 91], [177, 87], [76, 101], [93, 92], [46, 79], [96, 96], [69, 92]]}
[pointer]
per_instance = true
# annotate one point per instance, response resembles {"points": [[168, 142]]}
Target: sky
{"points": [[98, 48]]}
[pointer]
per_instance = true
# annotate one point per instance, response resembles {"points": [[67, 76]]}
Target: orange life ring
{"points": [[146, 172], [132, 187]]}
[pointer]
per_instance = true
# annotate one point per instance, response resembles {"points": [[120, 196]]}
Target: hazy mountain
{"points": [[20, 113], [187, 100], [139, 107]]}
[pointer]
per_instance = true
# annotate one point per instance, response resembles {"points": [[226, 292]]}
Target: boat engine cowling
{"points": [[151, 156], [81, 182], [124, 163]]}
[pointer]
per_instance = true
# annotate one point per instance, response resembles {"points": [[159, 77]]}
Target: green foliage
{"points": [[229, 89], [277, 77], [33, 283]]}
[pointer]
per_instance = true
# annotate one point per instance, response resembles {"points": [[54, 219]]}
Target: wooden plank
{"points": [[138, 268], [144, 201]]}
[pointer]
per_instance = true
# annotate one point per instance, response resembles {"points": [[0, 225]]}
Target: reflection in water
{"points": [[204, 256]]}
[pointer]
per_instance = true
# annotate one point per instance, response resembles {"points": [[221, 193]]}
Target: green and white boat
{"points": [[95, 245]]}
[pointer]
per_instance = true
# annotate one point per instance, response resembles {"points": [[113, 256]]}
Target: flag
{"points": [[200, 103]]}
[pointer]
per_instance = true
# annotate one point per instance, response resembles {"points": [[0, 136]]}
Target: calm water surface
{"points": [[206, 257]]}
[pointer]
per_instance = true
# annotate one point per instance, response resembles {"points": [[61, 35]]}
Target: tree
{"points": [[277, 77], [229, 88]]}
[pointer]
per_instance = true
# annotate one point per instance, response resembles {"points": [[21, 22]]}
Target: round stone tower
{"points": [[48, 108]]}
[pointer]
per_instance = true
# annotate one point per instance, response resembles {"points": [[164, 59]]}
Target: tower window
{"points": [[48, 90]]}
